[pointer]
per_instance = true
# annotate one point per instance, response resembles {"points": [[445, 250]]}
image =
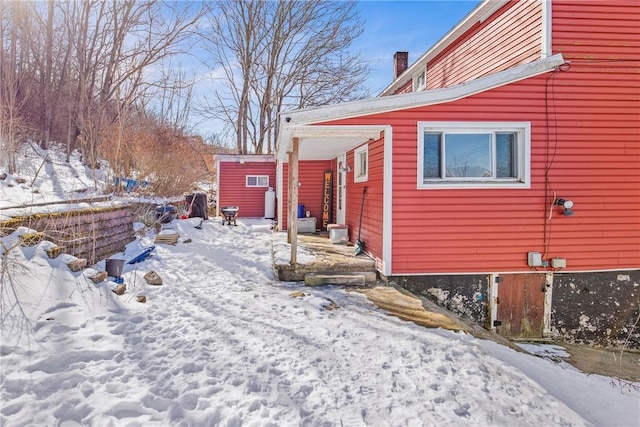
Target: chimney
{"points": [[400, 63]]}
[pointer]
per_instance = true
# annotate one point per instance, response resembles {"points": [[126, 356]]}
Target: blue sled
{"points": [[142, 256]]}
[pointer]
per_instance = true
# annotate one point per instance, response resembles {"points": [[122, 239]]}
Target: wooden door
{"points": [[520, 311]]}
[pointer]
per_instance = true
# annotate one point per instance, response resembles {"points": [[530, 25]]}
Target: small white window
{"points": [[474, 155], [420, 81], [361, 164], [257, 180]]}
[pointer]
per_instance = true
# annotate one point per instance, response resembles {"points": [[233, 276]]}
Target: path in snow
{"points": [[223, 343]]}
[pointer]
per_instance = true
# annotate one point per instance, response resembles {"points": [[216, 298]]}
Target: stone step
{"points": [[343, 279]]}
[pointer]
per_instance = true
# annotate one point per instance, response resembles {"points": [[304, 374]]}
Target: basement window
{"points": [[257, 180], [361, 164], [474, 155]]}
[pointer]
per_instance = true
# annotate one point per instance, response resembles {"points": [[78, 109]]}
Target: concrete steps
{"points": [[340, 279]]}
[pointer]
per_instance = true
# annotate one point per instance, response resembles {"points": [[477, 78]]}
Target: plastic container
{"points": [[338, 234], [306, 225], [300, 211], [114, 267], [270, 204]]}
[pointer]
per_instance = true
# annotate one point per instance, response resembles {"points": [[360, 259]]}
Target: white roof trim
{"points": [[480, 14], [236, 158], [325, 141], [293, 119]]}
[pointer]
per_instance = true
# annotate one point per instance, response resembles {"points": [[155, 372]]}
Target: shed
{"points": [[242, 181]]}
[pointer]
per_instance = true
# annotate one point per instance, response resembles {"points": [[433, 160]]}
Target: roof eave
{"points": [[417, 99]]}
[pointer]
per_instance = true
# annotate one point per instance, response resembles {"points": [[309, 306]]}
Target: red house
{"points": [[242, 181], [502, 169]]}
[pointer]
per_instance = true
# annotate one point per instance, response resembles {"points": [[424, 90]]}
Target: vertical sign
{"points": [[327, 198]]}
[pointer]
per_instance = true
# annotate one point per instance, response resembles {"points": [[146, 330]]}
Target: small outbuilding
{"points": [[244, 181]]}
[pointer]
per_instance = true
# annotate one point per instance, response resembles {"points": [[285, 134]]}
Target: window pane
{"points": [[506, 155], [468, 155], [263, 181], [431, 155], [251, 181]]}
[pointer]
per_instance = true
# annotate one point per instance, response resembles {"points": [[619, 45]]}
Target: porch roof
{"points": [[319, 141], [324, 142]]}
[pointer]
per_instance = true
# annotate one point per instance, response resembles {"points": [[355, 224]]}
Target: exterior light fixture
{"points": [[344, 167], [566, 204]]}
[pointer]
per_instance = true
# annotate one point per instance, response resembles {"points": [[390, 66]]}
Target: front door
{"points": [[341, 189], [520, 305]]}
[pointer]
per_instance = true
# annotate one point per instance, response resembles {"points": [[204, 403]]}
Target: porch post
{"points": [[292, 217]]}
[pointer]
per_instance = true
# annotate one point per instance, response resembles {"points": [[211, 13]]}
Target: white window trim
{"points": [[356, 164], [414, 81], [523, 130], [257, 177]]}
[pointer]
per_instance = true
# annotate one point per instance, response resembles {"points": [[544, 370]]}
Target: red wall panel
{"points": [[372, 214], [509, 38], [310, 176]]}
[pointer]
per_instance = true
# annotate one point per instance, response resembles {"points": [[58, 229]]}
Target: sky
{"points": [[223, 343], [411, 26]]}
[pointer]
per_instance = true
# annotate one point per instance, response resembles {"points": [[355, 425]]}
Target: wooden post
{"points": [[292, 217]]}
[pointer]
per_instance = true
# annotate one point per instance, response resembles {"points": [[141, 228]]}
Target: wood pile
{"points": [[168, 239]]}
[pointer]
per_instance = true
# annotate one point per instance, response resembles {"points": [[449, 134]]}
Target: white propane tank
{"points": [[270, 204]]}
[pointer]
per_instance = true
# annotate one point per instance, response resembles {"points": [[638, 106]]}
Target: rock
{"points": [[54, 251], [99, 277], [20, 180], [120, 289], [153, 279], [141, 298], [187, 241], [78, 264], [331, 306], [3, 176], [297, 294]]}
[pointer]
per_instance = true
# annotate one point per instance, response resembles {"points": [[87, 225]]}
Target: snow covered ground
{"points": [[222, 342]]}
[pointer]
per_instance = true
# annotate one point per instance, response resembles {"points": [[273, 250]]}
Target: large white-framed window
{"points": [[361, 164], [257, 180], [474, 154]]}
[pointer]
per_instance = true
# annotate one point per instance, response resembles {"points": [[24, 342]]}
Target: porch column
{"points": [[292, 217]]}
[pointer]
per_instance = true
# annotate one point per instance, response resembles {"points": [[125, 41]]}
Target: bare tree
{"points": [[280, 55], [15, 79], [115, 45]]}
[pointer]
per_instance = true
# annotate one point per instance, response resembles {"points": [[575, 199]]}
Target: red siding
{"points": [[511, 37], [372, 216], [594, 139], [234, 192], [406, 88], [585, 125], [310, 176]]}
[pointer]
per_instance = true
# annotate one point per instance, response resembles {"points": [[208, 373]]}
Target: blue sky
{"points": [[412, 26]]}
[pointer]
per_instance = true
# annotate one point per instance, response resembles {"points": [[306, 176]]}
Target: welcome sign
{"points": [[327, 198]]}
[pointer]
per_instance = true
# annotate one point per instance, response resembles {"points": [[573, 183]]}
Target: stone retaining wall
{"points": [[92, 233]]}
